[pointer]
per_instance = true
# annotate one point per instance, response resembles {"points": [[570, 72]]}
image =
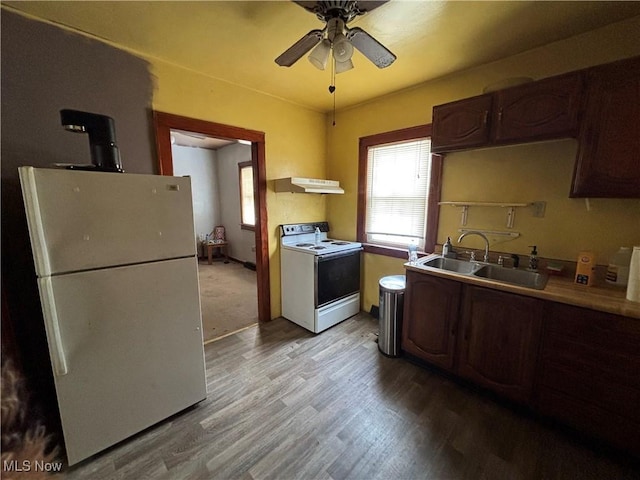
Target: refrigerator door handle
{"points": [[52, 326], [36, 226]]}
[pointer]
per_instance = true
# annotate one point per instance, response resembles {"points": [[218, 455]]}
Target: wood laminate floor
{"points": [[286, 404]]}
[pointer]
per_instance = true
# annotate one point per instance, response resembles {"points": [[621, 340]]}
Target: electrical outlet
{"points": [[539, 208]]}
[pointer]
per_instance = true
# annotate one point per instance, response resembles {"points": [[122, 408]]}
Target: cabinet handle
{"points": [[500, 116], [485, 118]]}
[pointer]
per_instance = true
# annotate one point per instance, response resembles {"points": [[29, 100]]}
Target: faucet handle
{"points": [[472, 255]]}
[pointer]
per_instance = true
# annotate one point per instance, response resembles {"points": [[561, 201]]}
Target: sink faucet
{"points": [[486, 242]]}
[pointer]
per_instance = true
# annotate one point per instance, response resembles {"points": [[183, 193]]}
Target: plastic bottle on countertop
{"points": [[413, 252], [317, 235], [533, 258], [618, 268], [633, 288]]}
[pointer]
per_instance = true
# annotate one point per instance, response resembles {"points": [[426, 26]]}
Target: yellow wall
{"points": [[521, 173], [295, 142]]}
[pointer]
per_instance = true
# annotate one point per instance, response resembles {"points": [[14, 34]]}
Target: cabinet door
{"points": [[430, 318], [590, 373], [538, 111], [609, 148], [500, 334], [461, 124]]}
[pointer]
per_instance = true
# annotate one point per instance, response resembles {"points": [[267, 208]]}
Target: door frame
{"points": [[164, 122]]}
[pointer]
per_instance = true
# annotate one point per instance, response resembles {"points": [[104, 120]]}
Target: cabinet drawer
{"points": [[592, 360], [598, 329]]}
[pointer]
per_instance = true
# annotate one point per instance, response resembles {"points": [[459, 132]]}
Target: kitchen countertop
{"points": [[603, 298]]}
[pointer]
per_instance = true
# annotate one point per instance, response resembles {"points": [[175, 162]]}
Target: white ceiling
{"points": [[237, 41], [196, 140]]}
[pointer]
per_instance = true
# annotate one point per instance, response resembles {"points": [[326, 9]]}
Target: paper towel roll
{"points": [[633, 287]]}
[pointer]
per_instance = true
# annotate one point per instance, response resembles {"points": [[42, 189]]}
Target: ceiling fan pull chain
{"points": [[334, 109], [332, 89]]}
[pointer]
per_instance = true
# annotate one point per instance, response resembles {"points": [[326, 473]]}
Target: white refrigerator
{"points": [[115, 256]]}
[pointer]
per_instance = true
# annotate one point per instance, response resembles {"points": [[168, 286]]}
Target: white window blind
{"points": [[397, 189]]}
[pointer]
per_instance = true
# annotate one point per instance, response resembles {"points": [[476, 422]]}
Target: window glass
{"points": [[397, 187], [247, 209], [398, 191]]}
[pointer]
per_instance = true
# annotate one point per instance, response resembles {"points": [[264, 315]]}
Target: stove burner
{"points": [[318, 247], [304, 244], [340, 243], [327, 240]]}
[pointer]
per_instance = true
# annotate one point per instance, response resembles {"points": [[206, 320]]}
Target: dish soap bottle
{"points": [[533, 259], [447, 248], [317, 235]]}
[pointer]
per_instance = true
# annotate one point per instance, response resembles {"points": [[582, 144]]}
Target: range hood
{"points": [[307, 185]]}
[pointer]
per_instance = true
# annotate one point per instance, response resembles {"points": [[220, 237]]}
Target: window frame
{"points": [[241, 166], [433, 210]]}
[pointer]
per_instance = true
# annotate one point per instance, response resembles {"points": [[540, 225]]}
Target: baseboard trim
{"points": [[207, 342]]}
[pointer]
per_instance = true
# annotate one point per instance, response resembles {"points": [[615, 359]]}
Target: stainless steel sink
{"points": [[452, 265], [496, 273], [516, 277]]}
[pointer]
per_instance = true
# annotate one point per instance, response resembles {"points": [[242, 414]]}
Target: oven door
{"points": [[337, 276]]}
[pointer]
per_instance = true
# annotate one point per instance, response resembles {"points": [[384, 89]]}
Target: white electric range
{"points": [[320, 276]]}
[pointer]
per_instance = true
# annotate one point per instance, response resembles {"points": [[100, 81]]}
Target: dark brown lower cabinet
{"points": [[430, 318], [589, 375], [499, 338], [576, 365]]}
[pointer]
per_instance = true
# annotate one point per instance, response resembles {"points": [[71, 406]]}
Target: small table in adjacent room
{"points": [[224, 249]]}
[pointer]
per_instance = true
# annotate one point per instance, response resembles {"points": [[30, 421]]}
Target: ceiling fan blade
{"points": [[364, 6], [309, 6], [298, 49], [370, 47]]}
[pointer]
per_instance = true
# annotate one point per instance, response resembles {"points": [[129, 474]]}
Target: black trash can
{"points": [[390, 314]]}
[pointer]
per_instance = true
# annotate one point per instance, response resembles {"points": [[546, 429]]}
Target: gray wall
{"points": [[216, 193], [201, 165], [45, 69]]}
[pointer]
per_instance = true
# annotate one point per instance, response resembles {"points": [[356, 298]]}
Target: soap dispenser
{"points": [[447, 249], [533, 258]]}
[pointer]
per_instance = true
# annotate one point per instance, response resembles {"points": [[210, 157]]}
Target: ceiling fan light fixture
{"points": [[320, 54], [341, 40], [343, 66], [342, 48]]}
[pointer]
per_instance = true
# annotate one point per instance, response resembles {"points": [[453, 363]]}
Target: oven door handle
{"points": [[331, 256]]}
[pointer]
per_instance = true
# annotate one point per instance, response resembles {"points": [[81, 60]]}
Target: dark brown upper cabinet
{"points": [[540, 110], [462, 124], [608, 161]]}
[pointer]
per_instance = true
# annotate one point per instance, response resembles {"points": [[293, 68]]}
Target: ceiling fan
{"points": [[337, 36]]}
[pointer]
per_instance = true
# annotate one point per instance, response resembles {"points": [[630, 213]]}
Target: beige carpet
{"points": [[229, 298]]}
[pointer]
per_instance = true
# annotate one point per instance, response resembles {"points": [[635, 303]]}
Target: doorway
{"points": [[165, 122]]}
